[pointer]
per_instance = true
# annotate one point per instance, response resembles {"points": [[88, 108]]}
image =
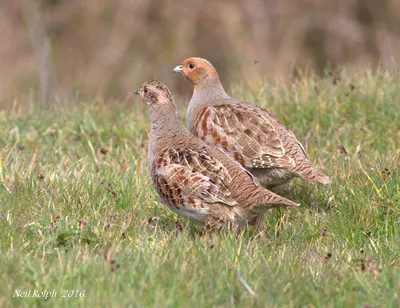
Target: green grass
{"points": [[76, 201]]}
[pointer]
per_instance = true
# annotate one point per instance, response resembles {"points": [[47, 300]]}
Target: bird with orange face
{"points": [[248, 133]]}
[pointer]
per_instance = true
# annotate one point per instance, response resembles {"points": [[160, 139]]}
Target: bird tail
{"points": [[323, 179], [270, 199], [314, 175], [310, 173]]}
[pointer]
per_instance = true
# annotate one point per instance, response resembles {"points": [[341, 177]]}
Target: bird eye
{"points": [[145, 90], [191, 65]]}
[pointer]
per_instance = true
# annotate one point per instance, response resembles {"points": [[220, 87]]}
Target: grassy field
{"points": [[78, 210]]}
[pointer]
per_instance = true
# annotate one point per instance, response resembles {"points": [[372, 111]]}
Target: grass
{"points": [[78, 210]]}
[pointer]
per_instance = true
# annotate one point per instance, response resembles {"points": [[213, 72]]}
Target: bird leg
{"points": [[259, 225]]}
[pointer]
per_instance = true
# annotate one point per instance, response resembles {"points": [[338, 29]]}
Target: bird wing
{"points": [[184, 176], [247, 133]]}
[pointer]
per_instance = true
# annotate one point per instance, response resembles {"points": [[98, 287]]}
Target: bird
{"points": [[250, 134], [195, 180]]}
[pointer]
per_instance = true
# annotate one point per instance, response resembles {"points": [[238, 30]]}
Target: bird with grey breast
{"points": [[248, 133]]}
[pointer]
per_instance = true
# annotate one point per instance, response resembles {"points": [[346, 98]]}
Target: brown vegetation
{"points": [[109, 47]]}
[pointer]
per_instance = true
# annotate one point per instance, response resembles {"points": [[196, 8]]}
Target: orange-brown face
{"points": [[197, 70]]}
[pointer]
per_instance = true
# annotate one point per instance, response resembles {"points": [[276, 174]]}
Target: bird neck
{"points": [[165, 122], [204, 95], [210, 86]]}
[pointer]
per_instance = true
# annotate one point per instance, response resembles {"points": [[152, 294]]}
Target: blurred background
{"points": [[107, 48]]}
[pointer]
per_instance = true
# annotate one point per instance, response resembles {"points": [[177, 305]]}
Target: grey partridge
{"points": [[195, 180], [248, 133]]}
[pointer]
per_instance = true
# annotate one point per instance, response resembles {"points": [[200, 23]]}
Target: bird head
{"points": [[197, 70], [154, 92]]}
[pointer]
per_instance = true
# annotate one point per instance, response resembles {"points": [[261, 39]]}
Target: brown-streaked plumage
{"points": [[195, 180], [248, 133]]}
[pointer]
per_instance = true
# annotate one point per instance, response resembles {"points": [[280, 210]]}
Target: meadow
{"points": [[78, 210]]}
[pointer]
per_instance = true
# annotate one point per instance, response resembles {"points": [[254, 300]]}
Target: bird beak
{"points": [[137, 91], [178, 69]]}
